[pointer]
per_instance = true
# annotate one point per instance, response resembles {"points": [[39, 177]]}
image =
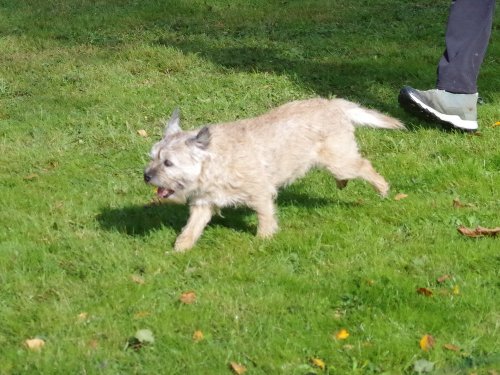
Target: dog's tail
{"points": [[368, 117]]}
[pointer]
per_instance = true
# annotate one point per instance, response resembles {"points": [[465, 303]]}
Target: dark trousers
{"points": [[467, 37]]}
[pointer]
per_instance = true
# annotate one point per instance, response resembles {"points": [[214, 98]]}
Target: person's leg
{"points": [[467, 36], [454, 101]]}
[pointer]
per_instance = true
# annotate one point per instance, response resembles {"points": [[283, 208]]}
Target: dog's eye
{"points": [[167, 163]]}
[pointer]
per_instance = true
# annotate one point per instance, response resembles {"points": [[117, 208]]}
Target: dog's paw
{"points": [[384, 191], [267, 232], [183, 244]]}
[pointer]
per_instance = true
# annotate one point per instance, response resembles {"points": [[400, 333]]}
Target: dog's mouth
{"points": [[164, 193]]}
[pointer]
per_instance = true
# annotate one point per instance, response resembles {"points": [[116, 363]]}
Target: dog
{"points": [[246, 161]]}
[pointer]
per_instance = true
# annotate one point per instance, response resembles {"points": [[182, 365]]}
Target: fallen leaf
{"points": [[458, 204], [53, 164], [237, 368], [145, 336], [479, 231], [141, 314], [35, 344], [188, 298], [468, 232], [133, 343], [427, 342], [318, 363], [142, 133], [342, 334], [198, 336], [31, 176], [142, 337], [400, 196], [422, 366], [82, 316], [425, 292], [443, 278], [451, 347], [138, 279], [338, 314], [475, 134], [488, 231], [93, 344]]}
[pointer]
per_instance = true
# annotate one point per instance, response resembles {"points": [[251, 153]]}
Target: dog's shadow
{"points": [[140, 220]]}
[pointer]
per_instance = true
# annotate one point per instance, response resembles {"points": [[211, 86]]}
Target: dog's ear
{"points": [[201, 140], [174, 124]]}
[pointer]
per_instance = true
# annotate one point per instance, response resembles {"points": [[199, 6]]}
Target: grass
{"points": [[79, 78]]}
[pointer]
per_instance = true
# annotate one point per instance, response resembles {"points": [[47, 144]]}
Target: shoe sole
{"points": [[413, 104]]}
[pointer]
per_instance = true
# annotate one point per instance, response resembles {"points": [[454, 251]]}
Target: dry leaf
{"points": [[35, 344], [237, 368], [458, 204], [141, 338], [451, 347], [475, 134], [479, 231], [318, 363], [443, 278], [342, 334], [138, 279], [198, 336], [31, 176], [82, 316], [427, 342], [93, 344], [141, 314], [425, 292], [188, 298], [400, 196], [339, 314], [423, 366], [142, 133], [145, 336]]}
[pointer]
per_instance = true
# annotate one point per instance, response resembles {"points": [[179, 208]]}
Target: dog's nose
{"points": [[147, 177]]}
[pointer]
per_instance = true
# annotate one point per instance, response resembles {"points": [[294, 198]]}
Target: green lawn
{"points": [[82, 250]]}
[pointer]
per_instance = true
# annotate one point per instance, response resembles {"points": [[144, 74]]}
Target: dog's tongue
{"points": [[164, 193]]}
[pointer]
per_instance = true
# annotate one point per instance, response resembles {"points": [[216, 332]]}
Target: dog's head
{"points": [[177, 160]]}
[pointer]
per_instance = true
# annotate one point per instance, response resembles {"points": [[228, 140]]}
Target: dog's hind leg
{"points": [[351, 165], [368, 173], [359, 168], [199, 217]]}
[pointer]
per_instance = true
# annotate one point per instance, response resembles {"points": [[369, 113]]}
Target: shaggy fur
{"points": [[245, 162]]}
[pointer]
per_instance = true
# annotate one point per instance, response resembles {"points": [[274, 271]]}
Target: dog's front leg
{"points": [[268, 225], [199, 217]]}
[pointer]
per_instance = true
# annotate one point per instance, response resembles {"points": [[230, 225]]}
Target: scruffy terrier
{"points": [[246, 161]]}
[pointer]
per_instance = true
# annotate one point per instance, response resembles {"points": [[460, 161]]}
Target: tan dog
{"points": [[246, 161]]}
